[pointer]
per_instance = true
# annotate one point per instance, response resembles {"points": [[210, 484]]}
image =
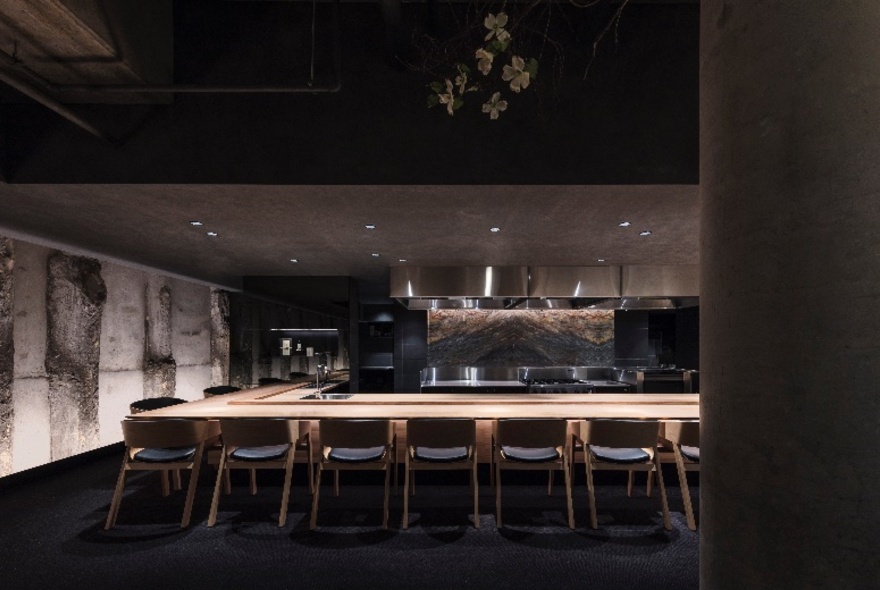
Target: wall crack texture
{"points": [[75, 297], [7, 354]]}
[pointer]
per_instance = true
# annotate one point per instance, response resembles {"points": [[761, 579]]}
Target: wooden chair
{"points": [[684, 437], [434, 444], [257, 443], [154, 403], [621, 445], [531, 445], [162, 445], [354, 445]]}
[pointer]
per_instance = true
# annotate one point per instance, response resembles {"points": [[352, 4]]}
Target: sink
{"points": [[327, 396]]}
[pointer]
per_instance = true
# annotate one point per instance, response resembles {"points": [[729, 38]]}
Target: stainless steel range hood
{"points": [[546, 287]]}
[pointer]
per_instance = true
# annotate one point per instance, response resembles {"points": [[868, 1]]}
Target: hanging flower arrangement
{"points": [[518, 73]]}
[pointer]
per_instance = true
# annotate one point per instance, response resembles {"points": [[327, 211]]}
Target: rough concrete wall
{"points": [[7, 354], [31, 434], [75, 301], [191, 337], [123, 330], [160, 369], [219, 337]]}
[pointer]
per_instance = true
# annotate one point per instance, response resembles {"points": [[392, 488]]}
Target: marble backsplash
{"points": [[520, 338]]}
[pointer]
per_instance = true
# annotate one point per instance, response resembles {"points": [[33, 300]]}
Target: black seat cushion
{"points": [[441, 454], [267, 453], [344, 455], [691, 453], [170, 455], [270, 380], [530, 455], [221, 389], [619, 454], [154, 403]]}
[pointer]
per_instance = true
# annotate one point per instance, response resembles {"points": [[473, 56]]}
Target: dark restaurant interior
{"points": [[581, 212]]}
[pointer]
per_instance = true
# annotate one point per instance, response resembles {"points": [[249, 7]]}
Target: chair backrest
{"points": [[258, 432], [220, 390], [431, 432], [685, 432], [531, 433], [355, 433], [620, 433], [165, 433], [153, 403]]}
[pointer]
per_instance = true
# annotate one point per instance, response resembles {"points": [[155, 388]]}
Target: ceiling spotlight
{"points": [[196, 223], [401, 260], [213, 234], [494, 230], [294, 260], [624, 224], [374, 255], [647, 232], [370, 226], [601, 260]]}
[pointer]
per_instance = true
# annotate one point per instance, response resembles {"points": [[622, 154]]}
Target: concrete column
{"points": [[75, 298], [7, 354], [160, 368], [219, 337], [790, 301]]}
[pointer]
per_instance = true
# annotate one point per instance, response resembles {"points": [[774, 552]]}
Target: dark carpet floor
{"points": [[51, 534]]}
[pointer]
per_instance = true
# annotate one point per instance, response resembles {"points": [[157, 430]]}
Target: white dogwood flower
{"points": [[496, 24], [485, 63], [494, 106], [515, 74]]}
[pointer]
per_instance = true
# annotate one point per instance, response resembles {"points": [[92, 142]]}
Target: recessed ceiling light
{"points": [[374, 255], [213, 234], [370, 226], [494, 230], [294, 260], [647, 232], [196, 223], [401, 260], [601, 260], [625, 224]]}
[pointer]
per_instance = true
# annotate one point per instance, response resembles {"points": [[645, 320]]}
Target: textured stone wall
{"points": [[240, 343], [75, 300], [7, 355], [219, 337]]}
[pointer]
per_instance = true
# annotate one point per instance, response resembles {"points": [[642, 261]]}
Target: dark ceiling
{"points": [[283, 176]]}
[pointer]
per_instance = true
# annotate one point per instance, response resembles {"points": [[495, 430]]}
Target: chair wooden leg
{"points": [[685, 491], [166, 489], [404, 523], [568, 499], [313, 521], [549, 482], [591, 491], [227, 481], [649, 487], [476, 485], [285, 492], [117, 495], [191, 491], [336, 483], [667, 522], [253, 482], [387, 495], [215, 501], [629, 483], [492, 464], [176, 479], [498, 522], [311, 464]]}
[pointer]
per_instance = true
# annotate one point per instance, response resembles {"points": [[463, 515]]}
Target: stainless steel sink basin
{"points": [[327, 396]]}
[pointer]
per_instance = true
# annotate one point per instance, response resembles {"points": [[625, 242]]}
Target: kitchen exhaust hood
{"points": [[607, 287]]}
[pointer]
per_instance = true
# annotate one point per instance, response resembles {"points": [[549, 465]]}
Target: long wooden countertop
{"points": [[284, 401]]}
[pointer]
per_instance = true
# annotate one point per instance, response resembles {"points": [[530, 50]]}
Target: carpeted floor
{"points": [[51, 532]]}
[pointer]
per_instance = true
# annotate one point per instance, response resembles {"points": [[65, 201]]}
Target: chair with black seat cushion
{"points": [[220, 390], [163, 445], [270, 381], [684, 437], [257, 443], [621, 445], [155, 403], [531, 444], [354, 445], [434, 444]]}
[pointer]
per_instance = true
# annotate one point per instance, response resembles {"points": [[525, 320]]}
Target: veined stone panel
{"points": [[7, 354], [190, 324], [159, 366], [520, 338], [32, 430], [31, 262], [116, 392], [122, 324]]}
